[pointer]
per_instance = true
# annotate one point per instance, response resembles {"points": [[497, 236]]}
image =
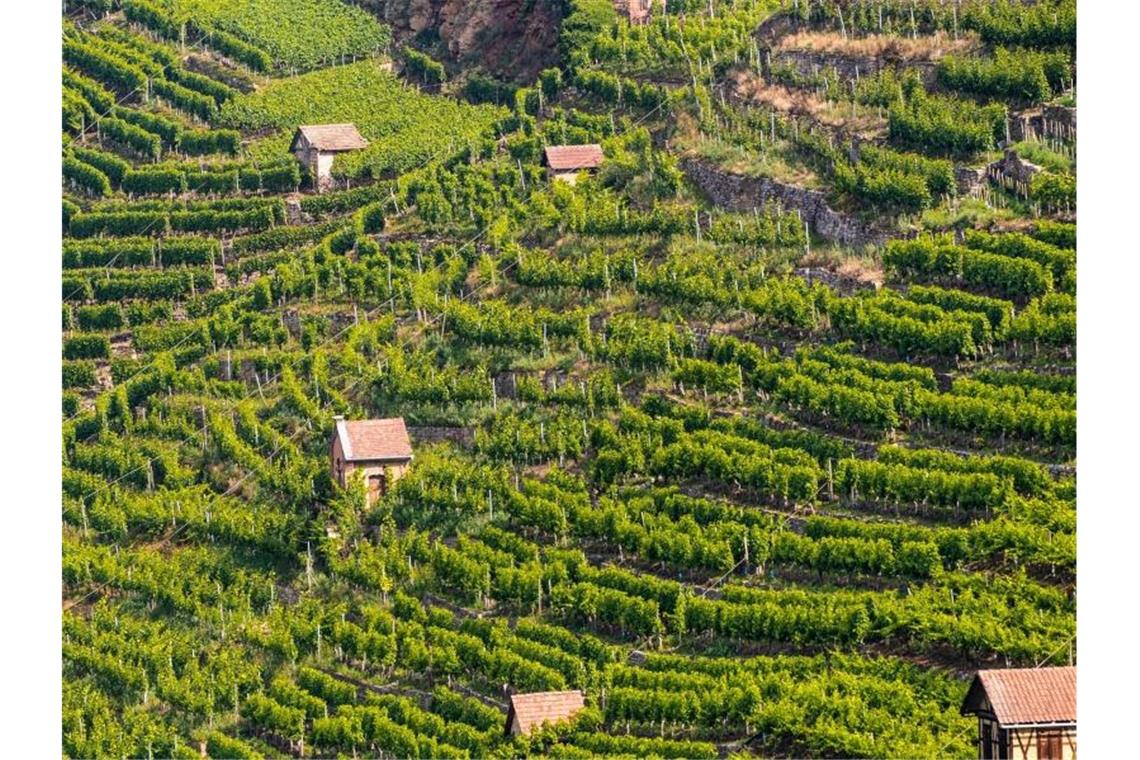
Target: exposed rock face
{"points": [[738, 192], [511, 39]]}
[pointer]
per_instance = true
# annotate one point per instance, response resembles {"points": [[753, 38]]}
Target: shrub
{"points": [[87, 347], [101, 317]]}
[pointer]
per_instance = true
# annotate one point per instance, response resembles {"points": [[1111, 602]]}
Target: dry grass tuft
{"points": [[750, 87], [889, 47], [861, 270]]}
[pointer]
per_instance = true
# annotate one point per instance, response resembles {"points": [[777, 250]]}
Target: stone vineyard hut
{"points": [[637, 12], [1025, 713], [316, 145], [565, 161], [529, 711], [381, 449]]}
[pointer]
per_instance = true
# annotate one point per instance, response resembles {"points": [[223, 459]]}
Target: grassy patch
{"points": [[403, 126]]}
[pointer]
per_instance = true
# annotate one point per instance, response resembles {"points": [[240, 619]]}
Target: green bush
{"points": [[424, 67], [87, 347], [78, 374], [372, 217], [85, 177], [102, 317]]}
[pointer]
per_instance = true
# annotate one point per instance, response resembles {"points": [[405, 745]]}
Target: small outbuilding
{"points": [[1025, 713], [380, 449], [530, 711], [637, 12], [316, 145], [565, 161]]}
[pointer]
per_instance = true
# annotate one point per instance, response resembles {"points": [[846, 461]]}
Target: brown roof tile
{"points": [[371, 440], [532, 710], [571, 157], [1022, 696], [332, 137]]}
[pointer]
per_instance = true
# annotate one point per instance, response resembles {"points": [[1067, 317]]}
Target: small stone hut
{"points": [[529, 711], [637, 12], [565, 161], [1025, 713], [316, 145], [381, 449]]}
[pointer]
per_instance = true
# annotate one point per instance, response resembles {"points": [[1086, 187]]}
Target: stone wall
{"points": [[738, 192], [1050, 121], [1012, 172], [850, 68], [969, 179]]}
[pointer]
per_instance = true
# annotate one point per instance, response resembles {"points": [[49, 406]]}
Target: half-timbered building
{"points": [[1025, 713]]}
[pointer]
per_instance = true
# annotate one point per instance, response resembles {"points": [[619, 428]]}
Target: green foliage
{"points": [[1018, 75], [423, 67], [85, 177], [946, 125], [404, 127], [86, 347], [296, 35]]}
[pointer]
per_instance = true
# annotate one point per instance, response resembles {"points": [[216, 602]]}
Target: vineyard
{"points": [[752, 489]]}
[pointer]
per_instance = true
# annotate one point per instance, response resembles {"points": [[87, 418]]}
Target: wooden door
{"points": [[1049, 745], [377, 486]]}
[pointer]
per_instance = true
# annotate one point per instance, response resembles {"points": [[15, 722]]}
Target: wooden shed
{"points": [[1025, 713], [530, 711], [381, 449], [565, 161], [316, 145]]}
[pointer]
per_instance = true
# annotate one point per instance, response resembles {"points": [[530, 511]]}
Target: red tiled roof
{"points": [[532, 710], [1022, 696], [371, 440], [332, 137], [571, 157]]}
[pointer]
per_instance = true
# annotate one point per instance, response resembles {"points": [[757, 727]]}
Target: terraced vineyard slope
{"points": [[761, 434]]}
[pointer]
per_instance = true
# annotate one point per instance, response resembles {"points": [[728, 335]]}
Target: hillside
{"points": [[761, 434]]}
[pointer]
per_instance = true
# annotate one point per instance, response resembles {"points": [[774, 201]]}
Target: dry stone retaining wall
{"points": [[851, 68], [969, 179], [1050, 121], [1013, 172], [738, 192]]}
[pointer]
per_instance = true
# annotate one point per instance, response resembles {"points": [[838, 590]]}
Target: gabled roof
{"points": [[572, 157], [330, 137], [532, 710], [374, 440], [1025, 696]]}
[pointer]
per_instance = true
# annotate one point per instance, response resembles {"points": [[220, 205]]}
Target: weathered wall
{"points": [[1049, 121], [811, 62], [969, 179], [738, 192], [1012, 172]]}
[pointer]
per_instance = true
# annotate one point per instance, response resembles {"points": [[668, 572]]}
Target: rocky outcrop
{"points": [[739, 192], [511, 39]]}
